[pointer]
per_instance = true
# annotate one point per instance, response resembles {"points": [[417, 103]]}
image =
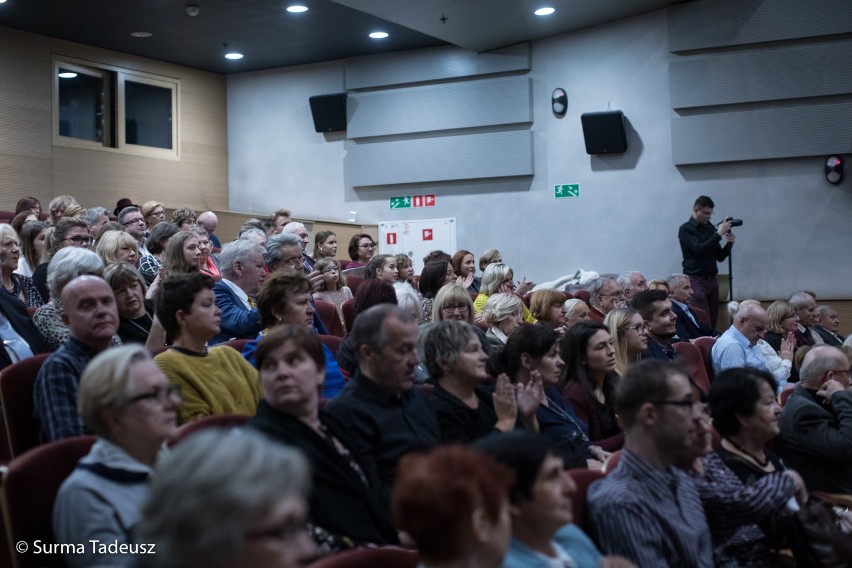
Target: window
{"points": [[98, 106]]}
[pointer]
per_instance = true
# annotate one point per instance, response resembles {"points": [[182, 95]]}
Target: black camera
{"points": [[735, 222]]}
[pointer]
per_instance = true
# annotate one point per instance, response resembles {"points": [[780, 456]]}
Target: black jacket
{"points": [[16, 312]]}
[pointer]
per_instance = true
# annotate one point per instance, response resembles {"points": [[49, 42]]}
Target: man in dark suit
{"points": [[816, 423], [242, 270], [688, 325], [21, 338], [805, 303], [827, 324]]}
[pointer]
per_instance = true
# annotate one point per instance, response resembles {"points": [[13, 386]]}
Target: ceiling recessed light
{"points": [[141, 34], [65, 74], [233, 55], [379, 35], [544, 11], [297, 9]]}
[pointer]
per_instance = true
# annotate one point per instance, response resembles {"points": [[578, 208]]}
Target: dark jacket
{"points": [[686, 329], [19, 319]]}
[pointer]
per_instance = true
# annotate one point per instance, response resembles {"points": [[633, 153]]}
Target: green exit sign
{"points": [[566, 190], [402, 202]]}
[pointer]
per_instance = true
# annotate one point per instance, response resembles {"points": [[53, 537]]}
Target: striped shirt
{"points": [[652, 517]]}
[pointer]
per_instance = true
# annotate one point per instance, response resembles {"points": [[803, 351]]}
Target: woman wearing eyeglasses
{"points": [[68, 232], [629, 336], [154, 212], [15, 285], [129, 404], [453, 303], [361, 249]]}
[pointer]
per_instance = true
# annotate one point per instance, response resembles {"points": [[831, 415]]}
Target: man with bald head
{"points": [[816, 423], [90, 312], [737, 347], [210, 222]]}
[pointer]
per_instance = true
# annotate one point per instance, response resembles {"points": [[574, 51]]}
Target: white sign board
{"points": [[417, 238]]}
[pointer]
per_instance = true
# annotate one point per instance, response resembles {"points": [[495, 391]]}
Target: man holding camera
{"points": [[700, 243]]}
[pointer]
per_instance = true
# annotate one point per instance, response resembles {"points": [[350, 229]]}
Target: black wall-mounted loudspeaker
{"points": [[329, 112], [604, 132]]}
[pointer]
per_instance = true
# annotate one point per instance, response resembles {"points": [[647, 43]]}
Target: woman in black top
{"points": [[136, 314]]}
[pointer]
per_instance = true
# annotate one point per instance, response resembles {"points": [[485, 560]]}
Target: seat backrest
{"points": [[785, 395], [611, 462], [353, 281], [384, 557], [331, 341], [583, 478], [238, 344], [29, 487], [691, 356], [329, 316], [527, 298], [223, 421], [705, 346], [348, 309], [16, 396], [702, 316], [583, 295]]}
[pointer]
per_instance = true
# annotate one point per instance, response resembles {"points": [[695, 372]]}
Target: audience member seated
{"points": [[15, 285], [128, 403], [184, 218], [370, 293], [543, 533], [631, 283], [805, 303], [67, 265], [230, 501], [153, 212], [744, 484], [816, 422], [57, 206], [206, 263], [453, 303], [20, 337], [435, 275], [213, 381], [548, 307], [33, 238], [629, 337], [689, 327], [118, 246], [778, 362], [827, 324], [647, 509], [490, 256], [737, 347], [382, 266], [346, 508], [453, 502], [284, 299], [408, 299], [283, 250], [67, 232], [361, 250], [278, 220], [783, 323], [210, 222], [655, 307], [386, 416], [604, 295], [133, 221], [181, 257], [575, 310], [588, 381], [106, 228], [464, 266], [333, 288], [502, 313], [137, 322], [325, 245], [96, 217], [157, 243], [405, 270], [466, 410], [531, 359], [20, 219], [236, 293], [31, 204], [660, 285], [499, 278], [90, 313], [301, 231]]}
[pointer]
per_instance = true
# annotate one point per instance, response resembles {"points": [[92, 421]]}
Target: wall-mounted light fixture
{"points": [[834, 169], [559, 102]]}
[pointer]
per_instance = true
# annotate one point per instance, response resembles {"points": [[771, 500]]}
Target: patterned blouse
{"points": [[25, 284]]}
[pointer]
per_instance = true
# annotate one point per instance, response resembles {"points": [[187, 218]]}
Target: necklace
{"points": [[145, 318], [15, 289], [762, 463]]}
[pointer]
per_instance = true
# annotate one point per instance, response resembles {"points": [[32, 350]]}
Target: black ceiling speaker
{"points": [[834, 169], [329, 112], [604, 132]]}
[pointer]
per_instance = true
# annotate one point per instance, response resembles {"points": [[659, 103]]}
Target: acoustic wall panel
{"points": [[809, 71], [444, 158], [446, 106], [762, 134], [718, 23], [433, 64]]}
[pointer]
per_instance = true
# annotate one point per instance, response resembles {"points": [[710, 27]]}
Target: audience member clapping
{"points": [[464, 267]]}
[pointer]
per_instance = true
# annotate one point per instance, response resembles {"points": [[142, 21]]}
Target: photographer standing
{"points": [[700, 243]]}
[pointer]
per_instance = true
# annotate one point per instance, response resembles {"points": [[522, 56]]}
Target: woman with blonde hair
{"points": [[154, 212], [118, 246], [783, 322], [629, 336], [502, 313], [453, 303], [184, 218], [499, 278]]}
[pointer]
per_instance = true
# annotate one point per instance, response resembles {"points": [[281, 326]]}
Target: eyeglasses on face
{"points": [[639, 328], [80, 240], [134, 220], [462, 308], [159, 394], [847, 372], [367, 245]]}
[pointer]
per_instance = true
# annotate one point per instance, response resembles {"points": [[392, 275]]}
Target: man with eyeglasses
{"points": [[133, 221], [648, 510], [301, 231], [90, 311], [816, 423], [660, 323], [604, 295], [689, 326], [737, 347]]}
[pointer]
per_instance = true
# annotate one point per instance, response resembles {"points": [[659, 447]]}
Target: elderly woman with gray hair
{"points": [[499, 278], [16, 285], [228, 500], [65, 266], [503, 314], [128, 403]]}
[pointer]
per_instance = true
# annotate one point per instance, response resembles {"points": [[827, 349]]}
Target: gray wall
{"points": [[630, 205]]}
